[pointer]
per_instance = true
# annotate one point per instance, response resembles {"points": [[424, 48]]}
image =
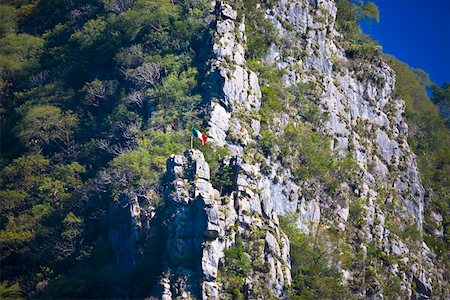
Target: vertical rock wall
{"points": [[126, 219], [196, 221], [365, 120], [202, 224]]}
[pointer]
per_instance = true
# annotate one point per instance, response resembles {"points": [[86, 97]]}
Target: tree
{"points": [[8, 17], [428, 137], [98, 91], [18, 53], [369, 10], [314, 273], [10, 291], [44, 125], [441, 97], [144, 76]]}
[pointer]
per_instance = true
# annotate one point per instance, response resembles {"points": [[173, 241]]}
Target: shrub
{"points": [[314, 276], [222, 175], [260, 31], [266, 141], [236, 268], [428, 138], [309, 156], [357, 212]]}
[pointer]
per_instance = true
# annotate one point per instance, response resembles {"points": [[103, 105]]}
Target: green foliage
{"points": [[260, 31], [236, 261], [274, 94], [8, 17], [369, 10], [357, 45], [96, 95], [11, 200], [10, 291], [356, 11], [18, 53], [46, 124], [357, 212], [308, 154], [305, 99], [392, 287], [441, 97], [299, 100], [266, 141], [314, 275], [145, 166], [137, 162], [175, 100], [222, 175], [88, 276], [236, 268], [91, 32], [361, 50]]}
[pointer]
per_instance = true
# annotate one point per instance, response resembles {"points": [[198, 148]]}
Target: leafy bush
{"points": [[236, 268], [222, 175], [145, 166], [19, 53], [10, 291], [357, 45], [46, 124], [309, 155], [361, 50], [357, 212], [267, 141], [260, 31], [441, 97], [314, 276], [236, 261]]}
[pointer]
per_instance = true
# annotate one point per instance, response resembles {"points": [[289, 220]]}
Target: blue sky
{"points": [[416, 32]]}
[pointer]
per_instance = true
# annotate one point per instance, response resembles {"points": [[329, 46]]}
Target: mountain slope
{"points": [[308, 186]]}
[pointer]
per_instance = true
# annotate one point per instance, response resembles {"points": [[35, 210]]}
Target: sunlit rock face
{"points": [[364, 118]]}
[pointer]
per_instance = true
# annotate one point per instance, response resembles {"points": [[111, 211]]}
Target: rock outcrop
{"points": [[127, 218], [365, 119], [203, 224], [197, 220], [238, 88]]}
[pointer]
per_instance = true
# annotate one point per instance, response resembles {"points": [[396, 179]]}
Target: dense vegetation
{"points": [[314, 271], [441, 97], [97, 94]]}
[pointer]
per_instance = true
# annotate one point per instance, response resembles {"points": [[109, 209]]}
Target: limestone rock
{"points": [[228, 11], [365, 120], [272, 244]]}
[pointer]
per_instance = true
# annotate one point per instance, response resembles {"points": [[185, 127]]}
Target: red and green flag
{"points": [[201, 136]]}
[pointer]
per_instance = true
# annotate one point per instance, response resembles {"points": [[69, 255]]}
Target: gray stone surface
{"points": [[365, 120], [272, 244]]}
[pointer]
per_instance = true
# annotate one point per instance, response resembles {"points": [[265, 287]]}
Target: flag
{"points": [[201, 136]]}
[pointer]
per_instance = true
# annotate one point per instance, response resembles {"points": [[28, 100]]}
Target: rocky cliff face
{"points": [[127, 218], [364, 118], [203, 224]]}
